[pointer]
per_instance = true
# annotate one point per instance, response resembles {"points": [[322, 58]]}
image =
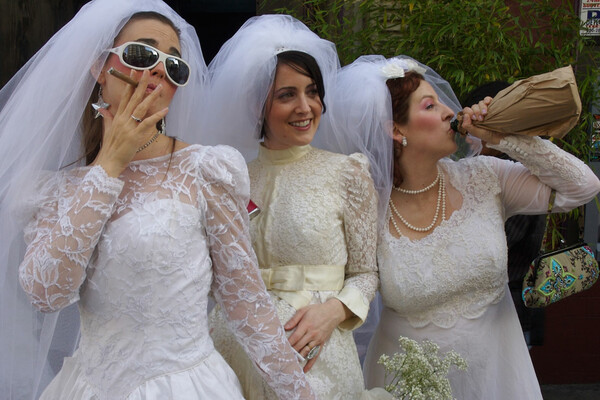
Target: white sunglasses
{"points": [[140, 56]]}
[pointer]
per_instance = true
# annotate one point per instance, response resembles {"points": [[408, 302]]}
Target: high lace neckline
{"points": [[285, 156]]}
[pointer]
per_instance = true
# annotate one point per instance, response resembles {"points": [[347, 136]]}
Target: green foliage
{"points": [[468, 43], [340, 21]]}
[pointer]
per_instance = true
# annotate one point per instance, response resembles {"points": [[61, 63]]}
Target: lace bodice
{"points": [[318, 208], [459, 269], [140, 253], [315, 239]]}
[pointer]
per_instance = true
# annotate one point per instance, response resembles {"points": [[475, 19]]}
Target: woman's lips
{"points": [[304, 124]]}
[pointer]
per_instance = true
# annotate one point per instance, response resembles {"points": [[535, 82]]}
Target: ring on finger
{"points": [[313, 352], [136, 119]]}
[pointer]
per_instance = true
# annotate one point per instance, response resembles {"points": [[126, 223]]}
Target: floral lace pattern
{"points": [[540, 158], [318, 208], [320, 211], [141, 252], [336, 376], [429, 280], [452, 272]]}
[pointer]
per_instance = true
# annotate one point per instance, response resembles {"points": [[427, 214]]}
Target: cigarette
{"points": [[122, 76]]}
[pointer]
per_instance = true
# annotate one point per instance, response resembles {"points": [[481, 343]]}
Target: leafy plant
{"points": [[340, 21]]}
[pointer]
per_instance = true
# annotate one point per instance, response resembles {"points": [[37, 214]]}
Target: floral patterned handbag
{"points": [[554, 275]]}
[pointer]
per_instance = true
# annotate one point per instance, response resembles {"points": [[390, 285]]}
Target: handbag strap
{"points": [[550, 207]]}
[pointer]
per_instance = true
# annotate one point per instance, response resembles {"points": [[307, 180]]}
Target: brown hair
{"points": [[92, 127], [400, 90]]}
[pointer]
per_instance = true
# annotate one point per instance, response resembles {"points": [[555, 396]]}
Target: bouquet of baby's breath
{"points": [[419, 373]]}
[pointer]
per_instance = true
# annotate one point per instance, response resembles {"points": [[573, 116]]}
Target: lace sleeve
{"points": [[237, 285], [61, 238], [360, 224], [541, 167]]}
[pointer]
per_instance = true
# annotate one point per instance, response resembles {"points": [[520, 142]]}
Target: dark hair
{"points": [[306, 65], [92, 127], [400, 91], [480, 92]]}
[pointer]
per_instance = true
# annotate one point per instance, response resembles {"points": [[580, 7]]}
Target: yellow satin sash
{"points": [[292, 283]]}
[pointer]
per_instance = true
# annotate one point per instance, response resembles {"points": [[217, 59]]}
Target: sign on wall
{"points": [[590, 17]]}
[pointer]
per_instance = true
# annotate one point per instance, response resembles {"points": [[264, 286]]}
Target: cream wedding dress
{"points": [[315, 238]]}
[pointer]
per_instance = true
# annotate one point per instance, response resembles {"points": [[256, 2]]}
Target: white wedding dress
{"points": [[141, 254], [451, 286]]}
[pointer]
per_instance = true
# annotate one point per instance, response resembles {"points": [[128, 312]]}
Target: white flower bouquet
{"points": [[420, 373]]}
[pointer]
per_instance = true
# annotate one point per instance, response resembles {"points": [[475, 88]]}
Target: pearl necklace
{"points": [[441, 200], [408, 191]]}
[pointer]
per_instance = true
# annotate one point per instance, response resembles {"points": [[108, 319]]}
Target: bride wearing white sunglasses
{"points": [[131, 226]]}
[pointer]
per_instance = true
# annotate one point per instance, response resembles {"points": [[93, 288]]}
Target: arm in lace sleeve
{"points": [[237, 285], [63, 234], [360, 224], [541, 167]]}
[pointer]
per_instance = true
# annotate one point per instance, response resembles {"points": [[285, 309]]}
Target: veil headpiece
{"points": [[243, 71], [360, 117], [40, 129], [398, 67]]}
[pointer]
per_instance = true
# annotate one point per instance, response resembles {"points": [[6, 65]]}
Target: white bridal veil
{"points": [[361, 114], [40, 130], [243, 71]]}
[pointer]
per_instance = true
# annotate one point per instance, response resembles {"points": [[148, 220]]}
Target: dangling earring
{"points": [[404, 142], [100, 103]]}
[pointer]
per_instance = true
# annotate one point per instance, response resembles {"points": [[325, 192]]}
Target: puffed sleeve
{"points": [[360, 226], [237, 285], [541, 167], [71, 210]]}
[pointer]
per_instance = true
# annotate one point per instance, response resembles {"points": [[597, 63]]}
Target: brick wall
{"points": [[571, 349]]}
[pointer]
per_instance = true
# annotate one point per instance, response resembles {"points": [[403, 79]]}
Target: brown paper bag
{"points": [[541, 105]]}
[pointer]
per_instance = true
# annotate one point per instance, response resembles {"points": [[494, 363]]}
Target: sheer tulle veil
{"points": [[40, 130], [361, 115], [243, 71]]}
